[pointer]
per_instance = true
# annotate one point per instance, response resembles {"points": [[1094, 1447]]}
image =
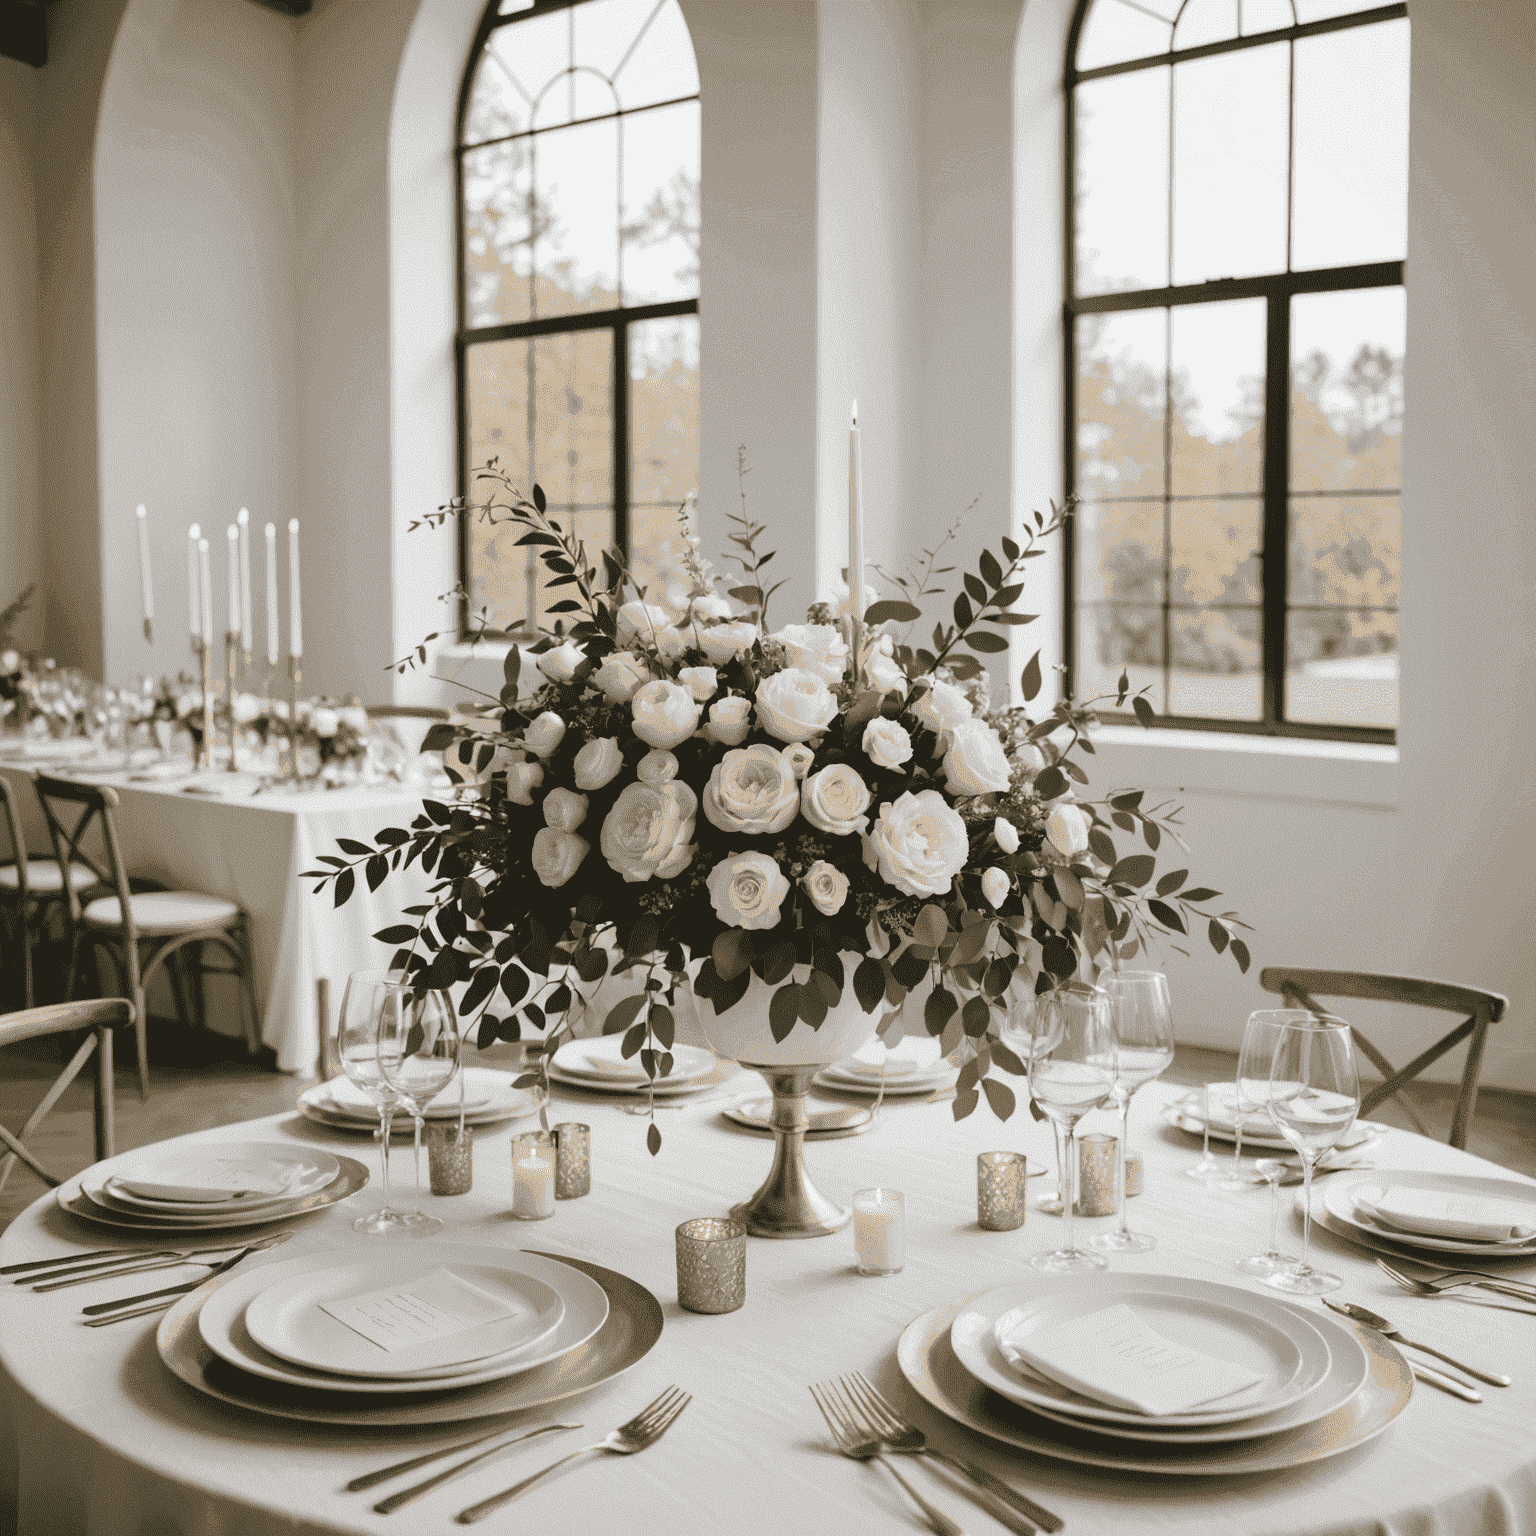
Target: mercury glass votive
{"points": [[1096, 1174], [573, 1160], [533, 1175], [1133, 1173], [1000, 1189], [879, 1231], [711, 1264], [450, 1157]]}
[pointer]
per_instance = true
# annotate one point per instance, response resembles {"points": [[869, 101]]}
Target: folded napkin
{"points": [[1116, 1358], [628, 1071], [348, 1099], [907, 1058], [1472, 1218], [214, 1180]]}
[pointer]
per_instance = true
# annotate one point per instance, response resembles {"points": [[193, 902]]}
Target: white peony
{"points": [[887, 743], [1006, 833], [827, 886], [701, 682], [710, 606], [918, 844], [793, 705], [994, 885], [747, 890], [817, 648], [522, 780], [1067, 830], [621, 675], [672, 642], [647, 832], [557, 855], [975, 763], [565, 810], [721, 642], [559, 665], [598, 763], [656, 767], [799, 757], [884, 674], [751, 790], [942, 708], [640, 621], [835, 800], [729, 721], [546, 733], [665, 713]]}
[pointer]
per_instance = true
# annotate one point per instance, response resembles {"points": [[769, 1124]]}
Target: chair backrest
{"points": [[406, 712], [15, 837], [68, 830], [1301, 987], [100, 1016]]}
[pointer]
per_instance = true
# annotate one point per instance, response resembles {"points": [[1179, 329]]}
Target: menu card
{"points": [[435, 1306]]}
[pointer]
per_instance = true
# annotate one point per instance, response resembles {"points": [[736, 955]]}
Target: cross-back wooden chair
{"points": [[99, 1016], [1301, 987], [141, 932]]}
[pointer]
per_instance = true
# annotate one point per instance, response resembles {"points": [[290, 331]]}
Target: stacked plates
{"points": [[489, 1099], [1435, 1212], [1307, 1386], [1259, 1131], [226, 1184], [600, 1066], [913, 1066]]}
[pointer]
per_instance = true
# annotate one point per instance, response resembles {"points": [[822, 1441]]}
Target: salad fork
{"points": [[1456, 1280]]}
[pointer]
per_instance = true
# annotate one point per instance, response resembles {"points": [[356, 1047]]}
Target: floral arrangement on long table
{"points": [[686, 786]]}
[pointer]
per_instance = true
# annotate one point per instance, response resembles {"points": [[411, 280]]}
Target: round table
{"points": [[102, 1439]]}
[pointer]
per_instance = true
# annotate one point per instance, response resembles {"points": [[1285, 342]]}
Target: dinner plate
{"points": [[1338, 1198], [1385, 1246], [929, 1364], [574, 1058], [507, 1104], [1184, 1115], [633, 1325], [894, 1087], [306, 1168], [1223, 1320], [666, 1087], [221, 1327], [484, 1088]]}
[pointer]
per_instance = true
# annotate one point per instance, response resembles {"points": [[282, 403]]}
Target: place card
{"points": [[1116, 1358], [436, 1306]]}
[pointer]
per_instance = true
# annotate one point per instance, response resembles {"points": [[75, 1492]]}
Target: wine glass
{"points": [[1260, 1036], [418, 1051], [1208, 1170], [1141, 1048], [369, 994], [1069, 1044], [1314, 1096]]}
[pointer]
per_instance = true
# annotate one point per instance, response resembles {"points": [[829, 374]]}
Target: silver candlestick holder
{"points": [[295, 677], [232, 654], [204, 758]]}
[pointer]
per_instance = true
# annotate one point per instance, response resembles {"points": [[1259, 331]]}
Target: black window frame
{"points": [[617, 321], [1277, 289]]}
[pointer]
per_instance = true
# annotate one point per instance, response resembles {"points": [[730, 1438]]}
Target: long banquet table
{"points": [[251, 850], [102, 1439]]}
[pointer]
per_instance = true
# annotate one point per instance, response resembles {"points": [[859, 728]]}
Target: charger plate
{"points": [[1392, 1249], [928, 1362], [826, 1124], [1339, 1198], [1183, 1114], [634, 1324], [666, 1088], [576, 1057]]}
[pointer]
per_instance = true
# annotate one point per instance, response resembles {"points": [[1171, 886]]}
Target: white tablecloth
{"points": [[252, 850], [107, 1442]]}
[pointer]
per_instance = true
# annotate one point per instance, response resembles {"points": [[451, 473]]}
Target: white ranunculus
{"points": [[918, 844], [565, 810], [640, 621], [887, 743], [827, 886], [665, 713], [751, 790], [711, 606], [975, 763], [1006, 833], [353, 715], [324, 722], [799, 757], [701, 682], [1067, 830], [559, 665], [546, 733], [793, 705], [598, 763], [522, 780], [647, 832], [942, 708], [1030, 758], [817, 648], [835, 800], [994, 885], [884, 674], [656, 767], [730, 720], [721, 642], [557, 855], [747, 890], [248, 706], [621, 675]]}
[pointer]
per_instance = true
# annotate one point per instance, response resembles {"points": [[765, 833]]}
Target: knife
{"points": [[1445, 1383], [99, 1307]]}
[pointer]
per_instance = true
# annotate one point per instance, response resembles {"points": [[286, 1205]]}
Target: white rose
{"points": [[884, 674], [747, 890], [721, 642], [799, 757], [545, 734], [559, 665], [557, 855], [701, 682], [994, 885], [918, 844], [1030, 758], [942, 708], [711, 606], [353, 715], [642, 621], [827, 886], [751, 790], [975, 763], [522, 780], [730, 720], [835, 800], [248, 706], [887, 743], [665, 713], [647, 832], [1067, 829], [815, 648], [793, 705], [1007, 835], [671, 642], [620, 675], [469, 760], [657, 767], [598, 762], [564, 810], [324, 722]]}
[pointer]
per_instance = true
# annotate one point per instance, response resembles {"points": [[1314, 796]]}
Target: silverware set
{"points": [[1455, 1280], [1427, 1374]]}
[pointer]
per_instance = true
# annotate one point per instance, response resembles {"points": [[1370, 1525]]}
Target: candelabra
{"points": [[204, 650], [295, 676], [232, 654]]}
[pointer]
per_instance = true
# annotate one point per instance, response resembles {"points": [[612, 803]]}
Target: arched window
{"points": [[1237, 220], [578, 341]]}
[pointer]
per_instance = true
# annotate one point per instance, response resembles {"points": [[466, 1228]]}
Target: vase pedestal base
{"points": [[789, 1204]]}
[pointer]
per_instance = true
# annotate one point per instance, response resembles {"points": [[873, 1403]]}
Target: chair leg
{"points": [[248, 987], [141, 1039]]}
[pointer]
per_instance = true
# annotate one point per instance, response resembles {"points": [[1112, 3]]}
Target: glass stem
{"points": [[1237, 1151], [1120, 1197], [418, 1156], [1064, 1165], [386, 1115], [1274, 1218], [1205, 1140], [1306, 1209]]}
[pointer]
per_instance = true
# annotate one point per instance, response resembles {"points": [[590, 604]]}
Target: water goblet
{"points": [[368, 995], [1314, 1096], [1208, 1170], [1260, 1036], [418, 1051]]}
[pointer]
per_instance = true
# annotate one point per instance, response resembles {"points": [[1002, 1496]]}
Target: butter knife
{"points": [[1445, 1383]]}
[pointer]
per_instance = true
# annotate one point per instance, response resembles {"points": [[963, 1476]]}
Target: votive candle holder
{"points": [[533, 1176], [879, 1231], [573, 1160], [1096, 1174], [1000, 1188], [450, 1157], [711, 1264]]}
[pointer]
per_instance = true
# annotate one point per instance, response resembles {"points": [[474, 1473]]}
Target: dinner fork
{"points": [[1457, 1279], [168, 1259], [901, 1435], [646, 1428], [855, 1443]]}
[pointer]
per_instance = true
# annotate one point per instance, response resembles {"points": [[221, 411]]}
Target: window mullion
{"points": [[1277, 459], [621, 436]]}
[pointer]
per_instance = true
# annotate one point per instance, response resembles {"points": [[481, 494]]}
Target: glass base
{"points": [[1303, 1282], [1210, 1172], [1245, 1178], [1049, 1205], [1265, 1264], [391, 1223], [1068, 1261], [1123, 1242], [864, 1269]]}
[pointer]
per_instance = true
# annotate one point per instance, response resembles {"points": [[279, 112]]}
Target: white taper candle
{"points": [[247, 618], [205, 590], [145, 580], [295, 620], [855, 521], [194, 601], [271, 594], [234, 579]]}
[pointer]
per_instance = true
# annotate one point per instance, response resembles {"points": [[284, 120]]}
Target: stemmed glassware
{"points": [[1314, 1096], [1260, 1036], [1141, 1048], [418, 1050], [1208, 1170]]}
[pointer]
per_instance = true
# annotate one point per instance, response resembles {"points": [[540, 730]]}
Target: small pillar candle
{"points": [[533, 1176], [878, 1231]]}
